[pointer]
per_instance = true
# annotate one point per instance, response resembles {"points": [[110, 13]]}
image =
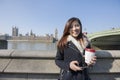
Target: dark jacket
{"points": [[71, 53]]}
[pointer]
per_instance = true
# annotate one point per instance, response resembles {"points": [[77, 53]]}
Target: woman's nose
{"points": [[74, 27]]}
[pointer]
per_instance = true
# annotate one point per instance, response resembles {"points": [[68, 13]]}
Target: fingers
{"points": [[75, 62], [74, 65], [94, 58], [93, 61], [76, 68]]}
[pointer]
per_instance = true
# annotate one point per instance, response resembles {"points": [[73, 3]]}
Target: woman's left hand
{"points": [[93, 61]]}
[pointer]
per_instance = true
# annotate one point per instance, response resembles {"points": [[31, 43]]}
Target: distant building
{"points": [[56, 34], [31, 36], [15, 31], [31, 33]]}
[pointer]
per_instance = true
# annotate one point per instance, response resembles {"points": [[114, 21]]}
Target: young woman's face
{"points": [[75, 29]]}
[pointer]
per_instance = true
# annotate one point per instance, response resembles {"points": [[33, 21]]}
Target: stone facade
{"points": [[40, 65]]}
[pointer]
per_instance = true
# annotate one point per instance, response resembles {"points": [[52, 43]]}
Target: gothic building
{"points": [[15, 31], [32, 36], [56, 34]]}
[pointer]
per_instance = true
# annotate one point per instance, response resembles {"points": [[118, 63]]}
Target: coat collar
{"points": [[75, 42]]}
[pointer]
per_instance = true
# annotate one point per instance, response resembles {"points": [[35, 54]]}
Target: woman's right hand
{"points": [[74, 66]]}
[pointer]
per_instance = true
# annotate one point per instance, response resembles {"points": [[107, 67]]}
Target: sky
{"points": [[44, 16]]}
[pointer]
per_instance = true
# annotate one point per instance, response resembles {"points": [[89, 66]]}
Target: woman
{"points": [[70, 52]]}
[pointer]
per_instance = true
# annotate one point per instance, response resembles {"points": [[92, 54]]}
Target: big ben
{"points": [[56, 34]]}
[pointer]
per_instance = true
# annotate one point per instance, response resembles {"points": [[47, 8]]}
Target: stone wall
{"points": [[40, 65]]}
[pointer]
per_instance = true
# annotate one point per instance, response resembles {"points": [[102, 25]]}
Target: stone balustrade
{"points": [[40, 65]]}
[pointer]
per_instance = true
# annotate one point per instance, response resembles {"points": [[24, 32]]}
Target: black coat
{"points": [[71, 53]]}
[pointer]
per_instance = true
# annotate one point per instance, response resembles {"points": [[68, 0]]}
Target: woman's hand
{"points": [[93, 61], [74, 66]]}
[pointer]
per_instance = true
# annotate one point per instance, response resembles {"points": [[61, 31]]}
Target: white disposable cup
{"points": [[89, 54]]}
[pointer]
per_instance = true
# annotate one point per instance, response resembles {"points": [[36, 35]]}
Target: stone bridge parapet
{"points": [[40, 65]]}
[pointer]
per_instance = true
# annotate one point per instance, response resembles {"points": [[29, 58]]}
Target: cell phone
{"points": [[85, 67]]}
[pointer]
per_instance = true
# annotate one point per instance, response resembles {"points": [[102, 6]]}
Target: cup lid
{"points": [[90, 49]]}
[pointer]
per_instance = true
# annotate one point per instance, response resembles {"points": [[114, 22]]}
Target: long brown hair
{"points": [[63, 41]]}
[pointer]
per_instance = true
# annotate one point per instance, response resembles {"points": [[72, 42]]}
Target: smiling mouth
{"points": [[76, 31]]}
